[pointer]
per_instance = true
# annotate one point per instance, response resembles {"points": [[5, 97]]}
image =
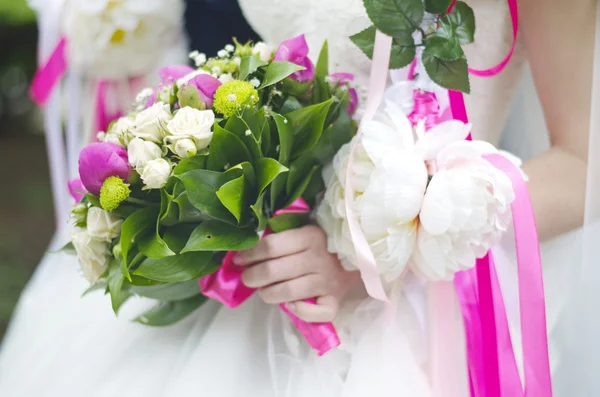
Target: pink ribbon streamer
{"points": [[49, 75], [226, 286]]}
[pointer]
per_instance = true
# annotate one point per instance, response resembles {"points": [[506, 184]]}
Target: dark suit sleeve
{"points": [[211, 24]]}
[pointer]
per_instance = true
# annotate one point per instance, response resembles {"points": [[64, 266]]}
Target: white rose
{"points": [[465, 211], [156, 173], [226, 78], [93, 255], [140, 152], [113, 138], [150, 123], [185, 148], [263, 51], [102, 225], [190, 123]]}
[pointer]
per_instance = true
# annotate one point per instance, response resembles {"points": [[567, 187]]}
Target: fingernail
{"points": [[237, 259], [291, 306]]}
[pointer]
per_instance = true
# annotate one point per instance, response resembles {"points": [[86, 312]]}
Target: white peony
{"points": [[465, 211], [263, 51], [140, 152], [102, 225], [389, 179], [110, 39], [93, 255], [190, 123], [150, 123], [185, 148], [155, 173]]}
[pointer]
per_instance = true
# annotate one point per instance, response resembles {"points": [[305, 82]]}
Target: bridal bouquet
{"points": [[202, 164]]}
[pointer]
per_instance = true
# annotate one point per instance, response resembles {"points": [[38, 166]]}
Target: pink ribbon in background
{"points": [[226, 286]]}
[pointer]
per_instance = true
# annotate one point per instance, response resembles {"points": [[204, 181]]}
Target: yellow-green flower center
{"points": [[231, 96], [113, 192]]}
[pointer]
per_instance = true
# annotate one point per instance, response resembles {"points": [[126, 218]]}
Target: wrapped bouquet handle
{"points": [[226, 286]]}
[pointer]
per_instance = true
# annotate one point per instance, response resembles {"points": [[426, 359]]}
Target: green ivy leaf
{"points": [[250, 65], [168, 292], [453, 75], [307, 125], [168, 313], [288, 221], [395, 17], [267, 170], [232, 195], [403, 47], [445, 49], [139, 223], [437, 6], [178, 268], [277, 71], [219, 236], [458, 25], [226, 150], [202, 187]]}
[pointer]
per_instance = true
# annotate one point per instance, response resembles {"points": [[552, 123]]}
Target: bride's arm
{"points": [[559, 39]]}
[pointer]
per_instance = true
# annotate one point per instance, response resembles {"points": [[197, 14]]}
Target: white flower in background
{"points": [[102, 225], [150, 123], [190, 123], [93, 255], [389, 180], [155, 173], [140, 152], [226, 78], [116, 39], [185, 148], [263, 51], [465, 211]]}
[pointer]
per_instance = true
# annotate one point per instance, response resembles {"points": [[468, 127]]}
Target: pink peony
{"points": [[168, 75], [296, 51], [343, 79], [100, 160], [206, 85]]}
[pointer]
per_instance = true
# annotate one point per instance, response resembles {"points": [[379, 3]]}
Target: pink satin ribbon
{"points": [[226, 286], [426, 107], [49, 75]]}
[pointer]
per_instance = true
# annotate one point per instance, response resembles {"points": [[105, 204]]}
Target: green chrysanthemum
{"points": [[113, 192], [231, 96]]}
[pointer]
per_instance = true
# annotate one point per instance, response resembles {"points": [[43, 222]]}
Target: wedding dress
{"points": [[63, 345]]}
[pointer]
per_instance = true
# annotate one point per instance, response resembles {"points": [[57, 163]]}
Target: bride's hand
{"points": [[295, 265]]}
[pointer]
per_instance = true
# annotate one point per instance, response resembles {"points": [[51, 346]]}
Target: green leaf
{"points": [[248, 121], [307, 126], [219, 236], [249, 65], [187, 212], [290, 105], [267, 170], [139, 223], [403, 47], [453, 75], [191, 163], [93, 200], [178, 268], [437, 6], [295, 88], [286, 138], [459, 24], [168, 292], [169, 212], [288, 221], [177, 236], [226, 150], [232, 195], [258, 209], [153, 246], [95, 287], [444, 49], [300, 186], [202, 187], [277, 71], [168, 313], [395, 17], [115, 284], [322, 68], [188, 96]]}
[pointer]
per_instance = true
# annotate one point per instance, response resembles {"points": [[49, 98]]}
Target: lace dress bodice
{"points": [[336, 20]]}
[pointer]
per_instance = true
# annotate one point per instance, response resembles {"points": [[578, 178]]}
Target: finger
{"points": [[276, 271], [305, 287], [323, 311], [274, 246]]}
